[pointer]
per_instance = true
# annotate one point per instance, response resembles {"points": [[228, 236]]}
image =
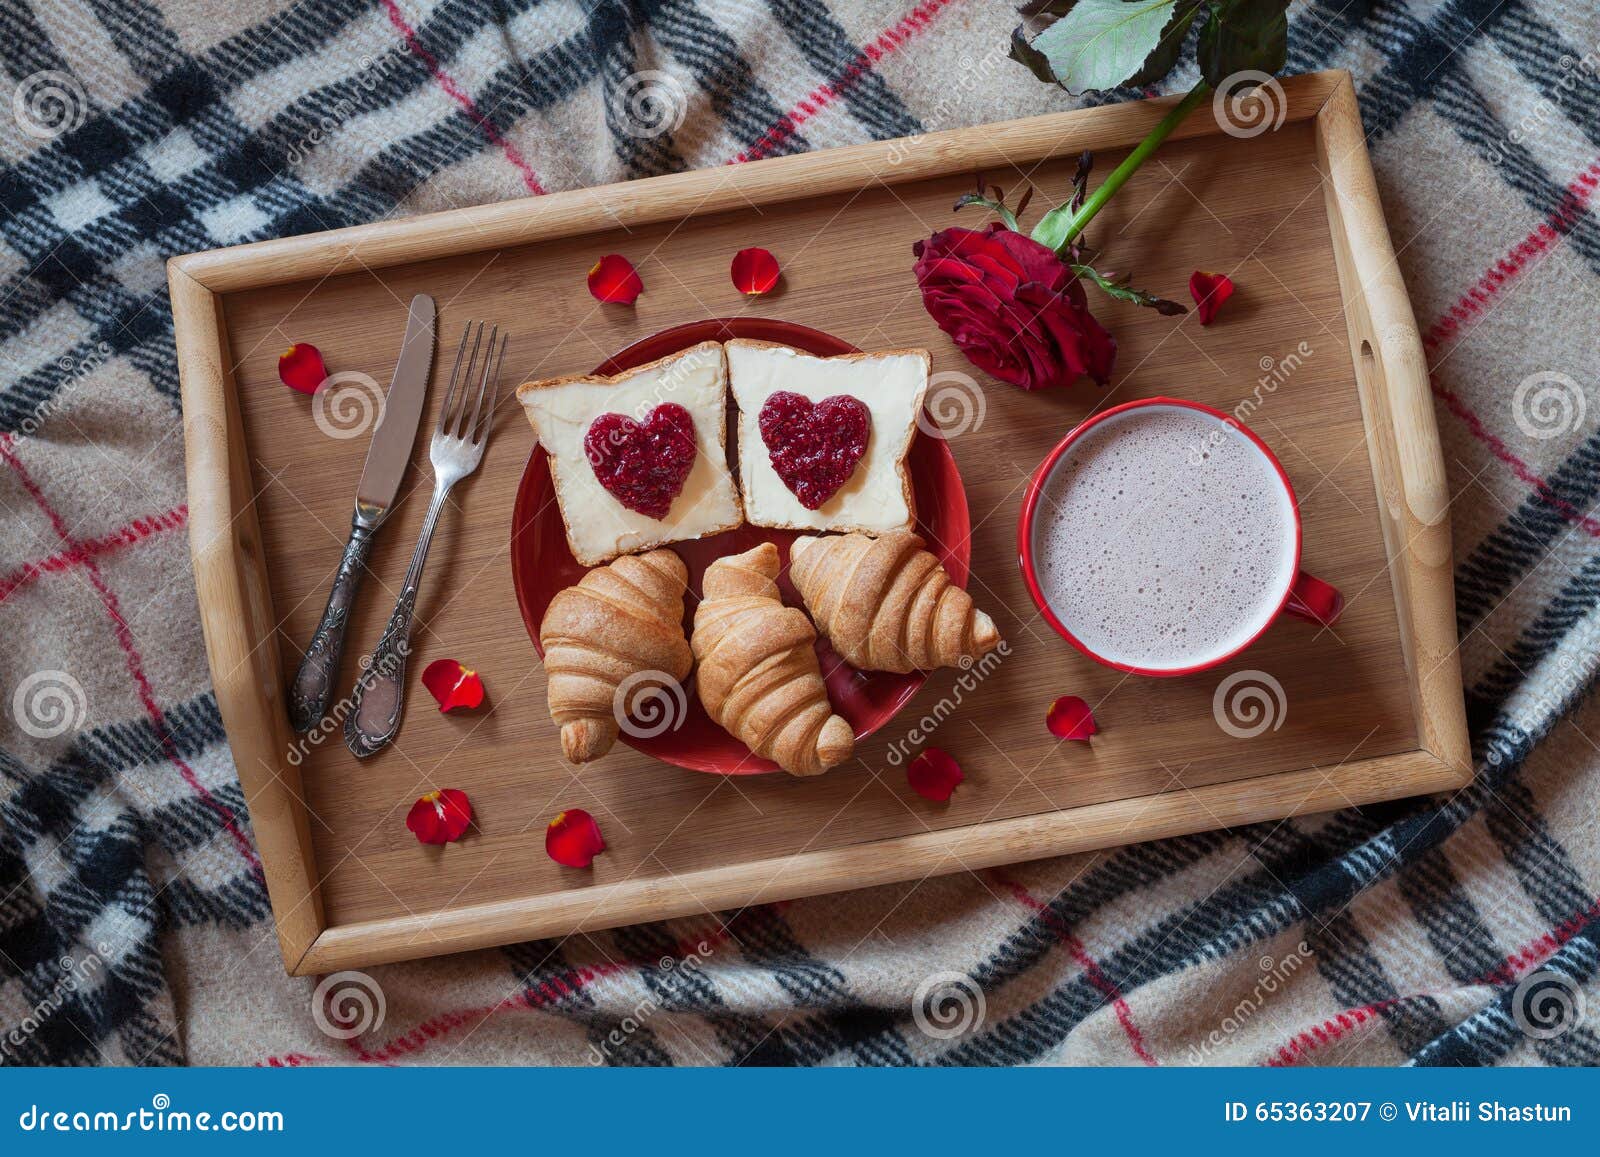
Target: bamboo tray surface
{"points": [[1373, 707]]}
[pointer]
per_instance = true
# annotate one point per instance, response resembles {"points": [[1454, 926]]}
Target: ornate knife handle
{"points": [[312, 688], [379, 695], [379, 698]]}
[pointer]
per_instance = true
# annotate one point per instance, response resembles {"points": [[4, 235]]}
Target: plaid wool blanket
{"points": [[134, 928]]}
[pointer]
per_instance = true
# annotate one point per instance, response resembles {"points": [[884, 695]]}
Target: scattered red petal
{"points": [[440, 817], [755, 271], [934, 774], [301, 367], [452, 684], [574, 839], [614, 279], [1209, 291], [1070, 718]]}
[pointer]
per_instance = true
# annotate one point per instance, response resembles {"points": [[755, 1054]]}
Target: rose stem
{"points": [[1141, 153]]}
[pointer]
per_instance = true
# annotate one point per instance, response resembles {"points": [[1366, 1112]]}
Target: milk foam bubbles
{"points": [[1164, 538]]}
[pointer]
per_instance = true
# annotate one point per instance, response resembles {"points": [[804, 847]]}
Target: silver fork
{"points": [[379, 698]]}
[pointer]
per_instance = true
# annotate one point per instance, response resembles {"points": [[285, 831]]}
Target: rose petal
{"points": [[934, 774], [754, 271], [1209, 291], [614, 279], [573, 838], [452, 684], [440, 817], [1070, 718], [300, 367]]}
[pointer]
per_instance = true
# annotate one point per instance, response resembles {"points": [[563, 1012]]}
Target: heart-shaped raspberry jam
{"points": [[814, 447], [643, 464]]}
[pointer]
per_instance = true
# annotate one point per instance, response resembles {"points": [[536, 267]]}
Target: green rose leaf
{"points": [[1124, 292], [1243, 36], [1165, 58], [1085, 45]]}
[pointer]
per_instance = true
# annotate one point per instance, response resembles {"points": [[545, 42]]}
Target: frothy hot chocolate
{"points": [[1164, 538]]}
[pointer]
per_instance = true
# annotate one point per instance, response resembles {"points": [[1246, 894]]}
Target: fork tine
{"points": [[457, 419], [481, 431], [455, 373], [470, 429]]}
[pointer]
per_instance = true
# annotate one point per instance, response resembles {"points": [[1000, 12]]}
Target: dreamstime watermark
{"points": [[75, 977], [332, 721], [1275, 974], [49, 103], [346, 1004], [649, 703], [1249, 103], [1547, 1004], [672, 976], [679, 374], [955, 90], [954, 405], [972, 674], [74, 371], [347, 404], [1249, 703], [649, 104], [160, 1117], [1572, 72], [948, 1004], [1541, 701], [1549, 404], [49, 703], [1275, 372], [370, 72]]}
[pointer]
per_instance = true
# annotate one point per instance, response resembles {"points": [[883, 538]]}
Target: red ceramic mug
{"points": [[1302, 595]]}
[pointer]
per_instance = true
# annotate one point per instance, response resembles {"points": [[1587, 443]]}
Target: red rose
{"points": [[1012, 307]]}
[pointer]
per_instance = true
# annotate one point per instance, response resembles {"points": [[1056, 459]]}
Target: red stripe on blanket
{"points": [[135, 662], [1086, 962], [1539, 950], [1574, 202], [549, 991], [435, 1027], [891, 41], [80, 550], [460, 96], [1518, 467], [1329, 1031], [1521, 961]]}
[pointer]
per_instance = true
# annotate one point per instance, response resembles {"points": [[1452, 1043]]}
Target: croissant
{"points": [[758, 673], [621, 623], [886, 604]]}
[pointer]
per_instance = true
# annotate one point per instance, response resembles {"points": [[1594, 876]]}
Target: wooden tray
{"points": [[1374, 709]]}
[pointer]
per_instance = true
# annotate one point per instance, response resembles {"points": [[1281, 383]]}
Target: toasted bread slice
{"points": [[877, 497], [599, 527]]}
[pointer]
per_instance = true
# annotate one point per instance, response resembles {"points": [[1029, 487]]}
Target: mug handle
{"points": [[1314, 600]]}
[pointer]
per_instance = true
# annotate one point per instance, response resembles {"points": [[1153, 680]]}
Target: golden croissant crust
{"points": [[758, 674], [621, 620], [886, 604]]}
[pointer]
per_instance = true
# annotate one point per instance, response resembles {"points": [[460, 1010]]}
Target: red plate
{"points": [[541, 564]]}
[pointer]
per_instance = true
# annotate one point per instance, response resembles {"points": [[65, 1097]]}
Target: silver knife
{"points": [[387, 459]]}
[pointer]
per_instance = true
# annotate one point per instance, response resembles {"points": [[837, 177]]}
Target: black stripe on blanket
{"points": [[1417, 53], [1490, 1035], [845, 1024], [641, 111], [827, 48], [1500, 561], [1532, 45], [1343, 955], [744, 1041], [710, 54]]}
